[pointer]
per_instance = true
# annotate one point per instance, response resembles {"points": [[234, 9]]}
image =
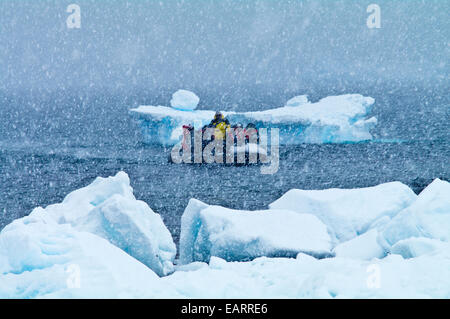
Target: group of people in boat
{"points": [[221, 124]]}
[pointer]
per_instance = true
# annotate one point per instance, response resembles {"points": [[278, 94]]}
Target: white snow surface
{"points": [[209, 230], [330, 111], [71, 250], [307, 277]]}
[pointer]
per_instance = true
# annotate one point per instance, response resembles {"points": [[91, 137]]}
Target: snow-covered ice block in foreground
{"points": [[428, 216], [108, 208], [131, 225], [348, 212], [243, 235], [334, 119], [41, 258]]}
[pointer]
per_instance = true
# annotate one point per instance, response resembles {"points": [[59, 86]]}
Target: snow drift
{"points": [[334, 119]]}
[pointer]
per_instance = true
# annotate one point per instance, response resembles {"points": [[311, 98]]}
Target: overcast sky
{"points": [[203, 44]]}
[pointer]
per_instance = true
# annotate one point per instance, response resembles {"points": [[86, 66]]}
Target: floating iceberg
{"points": [[334, 119], [243, 235], [349, 212]]}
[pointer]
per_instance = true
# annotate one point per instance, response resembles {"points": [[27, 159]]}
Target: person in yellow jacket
{"points": [[221, 124]]}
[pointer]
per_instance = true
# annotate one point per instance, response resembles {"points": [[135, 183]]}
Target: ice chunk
{"points": [[184, 100], [298, 100], [242, 235], [80, 202], [418, 246], [428, 216], [42, 258], [348, 212], [132, 226], [364, 247], [334, 119], [108, 208]]}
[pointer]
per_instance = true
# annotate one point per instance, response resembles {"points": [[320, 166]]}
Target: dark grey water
{"points": [[36, 178], [49, 147]]}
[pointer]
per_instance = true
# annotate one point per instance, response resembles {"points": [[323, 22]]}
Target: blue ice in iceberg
{"points": [[334, 119]]}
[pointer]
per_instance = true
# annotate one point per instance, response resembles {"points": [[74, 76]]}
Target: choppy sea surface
{"points": [[51, 146]]}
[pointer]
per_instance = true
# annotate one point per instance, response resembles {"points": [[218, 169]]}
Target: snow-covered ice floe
{"points": [[334, 119], [242, 235], [102, 242]]}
